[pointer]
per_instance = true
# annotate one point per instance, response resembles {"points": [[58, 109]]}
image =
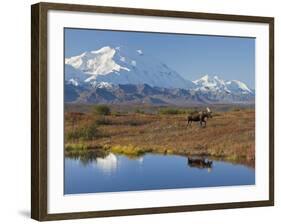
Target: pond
{"points": [[115, 173]]}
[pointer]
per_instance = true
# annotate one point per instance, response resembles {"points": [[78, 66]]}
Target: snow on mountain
{"points": [[121, 65], [119, 74], [101, 85], [73, 82], [94, 63], [218, 85], [237, 86], [207, 83]]}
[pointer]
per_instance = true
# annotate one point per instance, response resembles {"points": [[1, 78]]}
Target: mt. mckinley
{"points": [[121, 75]]}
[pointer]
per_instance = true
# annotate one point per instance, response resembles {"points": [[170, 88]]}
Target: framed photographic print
{"points": [[138, 111]]}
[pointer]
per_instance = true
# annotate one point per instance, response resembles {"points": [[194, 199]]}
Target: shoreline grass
{"points": [[135, 152]]}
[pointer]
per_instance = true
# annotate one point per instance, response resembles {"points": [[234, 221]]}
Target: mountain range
{"points": [[122, 75]]}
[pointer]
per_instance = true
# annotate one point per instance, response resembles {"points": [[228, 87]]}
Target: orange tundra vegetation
{"points": [[228, 136]]}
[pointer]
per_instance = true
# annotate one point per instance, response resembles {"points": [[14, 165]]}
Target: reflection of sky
{"points": [[107, 164], [152, 171]]}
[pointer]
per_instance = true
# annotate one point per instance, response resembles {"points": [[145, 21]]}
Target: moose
{"points": [[200, 116]]}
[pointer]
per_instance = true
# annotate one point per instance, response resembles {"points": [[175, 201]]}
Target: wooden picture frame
{"points": [[39, 109]]}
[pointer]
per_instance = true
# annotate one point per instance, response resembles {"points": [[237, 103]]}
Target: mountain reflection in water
{"points": [[116, 172], [107, 164]]}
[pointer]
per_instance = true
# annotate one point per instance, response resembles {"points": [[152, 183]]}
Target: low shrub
{"points": [[171, 111], [139, 111], [102, 109], [129, 150], [73, 147], [87, 132], [134, 122], [117, 113], [236, 109], [103, 121]]}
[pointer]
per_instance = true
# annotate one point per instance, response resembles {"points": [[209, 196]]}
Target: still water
{"points": [[115, 173]]}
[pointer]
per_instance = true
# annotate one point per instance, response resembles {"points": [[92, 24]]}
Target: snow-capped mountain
{"points": [[236, 86], [101, 85], [218, 85], [95, 63], [122, 75], [215, 89], [121, 65]]}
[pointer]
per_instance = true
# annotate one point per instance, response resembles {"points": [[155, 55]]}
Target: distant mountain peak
{"points": [[205, 77], [104, 49], [96, 62], [122, 65], [209, 78], [120, 74], [209, 83]]}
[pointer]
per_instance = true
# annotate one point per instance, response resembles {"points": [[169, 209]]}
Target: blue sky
{"points": [[190, 55]]}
